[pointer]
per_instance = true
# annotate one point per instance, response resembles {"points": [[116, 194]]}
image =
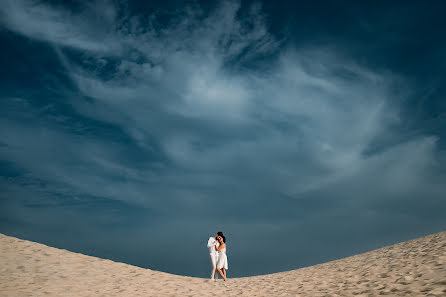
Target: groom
{"points": [[213, 253]]}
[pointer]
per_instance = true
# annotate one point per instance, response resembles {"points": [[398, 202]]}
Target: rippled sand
{"points": [[412, 268]]}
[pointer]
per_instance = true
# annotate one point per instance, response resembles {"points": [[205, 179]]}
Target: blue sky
{"points": [[304, 131]]}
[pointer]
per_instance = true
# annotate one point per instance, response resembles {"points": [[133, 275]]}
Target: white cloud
{"points": [[43, 22], [298, 126]]}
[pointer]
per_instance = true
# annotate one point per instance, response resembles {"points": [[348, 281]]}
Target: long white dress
{"points": [[222, 261]]}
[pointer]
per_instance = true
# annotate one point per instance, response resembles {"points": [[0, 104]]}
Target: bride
{"points": [[222, 262]]}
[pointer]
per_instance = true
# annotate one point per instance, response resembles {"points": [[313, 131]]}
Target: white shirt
{"points": [[211, 245]]}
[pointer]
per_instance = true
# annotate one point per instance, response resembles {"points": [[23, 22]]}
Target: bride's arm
{"points": [[219, 248]]}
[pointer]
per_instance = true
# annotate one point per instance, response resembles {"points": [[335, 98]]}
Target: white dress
{"points": [[222, 261]]}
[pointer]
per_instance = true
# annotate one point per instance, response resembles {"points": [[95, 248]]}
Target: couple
{"points": [[217, 252]]}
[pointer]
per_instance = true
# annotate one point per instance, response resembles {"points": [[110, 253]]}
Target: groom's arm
{"points": [[210, 242]]}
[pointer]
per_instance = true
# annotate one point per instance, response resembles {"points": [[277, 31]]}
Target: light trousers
{"points": [[214, 265]]}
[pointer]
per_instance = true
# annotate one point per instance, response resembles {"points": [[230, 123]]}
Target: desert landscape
{"points": [[304, 131], [412, 268]]}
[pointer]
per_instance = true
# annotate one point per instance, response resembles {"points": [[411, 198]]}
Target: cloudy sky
{"points": [[305, 131]]}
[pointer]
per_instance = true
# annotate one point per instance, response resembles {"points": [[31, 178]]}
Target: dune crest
{"points": [[412, 268]]}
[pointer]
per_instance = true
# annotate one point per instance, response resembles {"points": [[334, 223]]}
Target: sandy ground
{"points": [[412, 268]]}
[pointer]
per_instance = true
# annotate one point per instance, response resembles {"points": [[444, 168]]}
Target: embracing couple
{"points": [[217, 252]]}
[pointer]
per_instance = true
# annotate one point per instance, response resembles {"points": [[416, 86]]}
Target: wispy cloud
{"points": [[40, 21], [304, 120]]}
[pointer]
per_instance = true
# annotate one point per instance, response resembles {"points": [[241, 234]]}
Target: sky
{"points": [[306, 131]]}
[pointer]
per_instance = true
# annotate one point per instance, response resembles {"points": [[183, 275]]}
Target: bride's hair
{"points": [[222, 236]]}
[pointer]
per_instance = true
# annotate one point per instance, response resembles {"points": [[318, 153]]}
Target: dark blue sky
{"points": [[306, 131]]}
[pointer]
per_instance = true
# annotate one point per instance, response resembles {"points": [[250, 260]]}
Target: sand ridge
{"points": [[412, 268]]}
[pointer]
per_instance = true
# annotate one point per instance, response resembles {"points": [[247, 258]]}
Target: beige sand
{"points": [[412, 268]]}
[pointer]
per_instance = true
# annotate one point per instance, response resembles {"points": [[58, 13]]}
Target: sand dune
{"points": [[412, 268]]}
